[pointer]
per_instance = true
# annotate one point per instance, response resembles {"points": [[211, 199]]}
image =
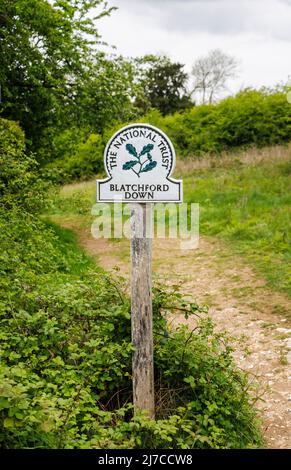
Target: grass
{"points": [[244, 199], [66, 242], [248, 205]]}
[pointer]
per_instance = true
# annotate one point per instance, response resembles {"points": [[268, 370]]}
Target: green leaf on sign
{"points": [[129, 165], [147, 148], [150, 166], [131, 149]]}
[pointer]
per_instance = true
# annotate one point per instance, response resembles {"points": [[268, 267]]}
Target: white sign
{"points": [[139, 160]]}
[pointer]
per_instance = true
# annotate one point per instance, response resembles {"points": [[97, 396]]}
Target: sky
{"points": [[256, 32]]}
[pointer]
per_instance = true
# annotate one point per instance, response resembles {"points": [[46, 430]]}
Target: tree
{"points": [[47, 49], [106, 96], [164, 85], [211, 74]]}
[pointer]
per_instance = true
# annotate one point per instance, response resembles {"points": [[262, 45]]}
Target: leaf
{"points": [[131, 149], [47, 426], [129, 165], [147, 148], [8, 423], [150, 166]]}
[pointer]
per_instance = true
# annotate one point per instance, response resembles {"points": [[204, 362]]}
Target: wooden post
{"points": [[141, 309]]}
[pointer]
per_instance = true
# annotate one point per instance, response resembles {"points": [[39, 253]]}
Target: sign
{"points": [[139, 160]]}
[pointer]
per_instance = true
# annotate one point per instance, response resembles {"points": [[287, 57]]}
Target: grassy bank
{"points": [[246, 201]]}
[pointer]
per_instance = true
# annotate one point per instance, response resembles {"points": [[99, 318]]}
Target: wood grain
{"points": [[141, 309]]}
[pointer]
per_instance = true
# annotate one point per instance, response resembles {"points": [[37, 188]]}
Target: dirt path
{"points": [[239, 302]]}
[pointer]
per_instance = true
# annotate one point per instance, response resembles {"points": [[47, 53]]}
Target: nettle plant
{"points": [[146, 164]]}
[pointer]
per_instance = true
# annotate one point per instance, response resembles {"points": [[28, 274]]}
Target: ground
{"points": [[239, 302]]}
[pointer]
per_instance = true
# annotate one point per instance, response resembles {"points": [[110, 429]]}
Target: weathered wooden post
{"points": [[139, 160], [141, 309]]}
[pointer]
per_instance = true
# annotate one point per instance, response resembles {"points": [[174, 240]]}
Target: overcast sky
{"points": [[256, 32]]}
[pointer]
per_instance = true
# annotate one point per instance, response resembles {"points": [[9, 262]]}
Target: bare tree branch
{"points": [[211, 73]]}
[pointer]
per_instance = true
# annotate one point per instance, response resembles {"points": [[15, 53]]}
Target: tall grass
{"points": [[247, 202]]}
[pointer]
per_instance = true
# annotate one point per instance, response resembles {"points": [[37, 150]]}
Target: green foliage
{"points": [[163, 85], [106, 96], [154, 117], [87, 159], [46, 53], [66, 370], [19, 182], [251, 117], [74, 203], [53, 77], [80, 156]]}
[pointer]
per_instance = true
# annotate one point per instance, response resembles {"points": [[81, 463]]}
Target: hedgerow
{"points": [[250, 118], [79, 156], [66, 372]]}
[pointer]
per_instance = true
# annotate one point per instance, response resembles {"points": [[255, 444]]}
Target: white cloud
{"points": [[257, 32]]}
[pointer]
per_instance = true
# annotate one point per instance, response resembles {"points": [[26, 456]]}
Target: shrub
{"points": [[66, 374], [66, 358], [80, 156], [20, 183], [87, 159], [251, 117]]}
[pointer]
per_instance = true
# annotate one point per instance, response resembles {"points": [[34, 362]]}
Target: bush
{"points": [[251, 117], [80, 156], [20, 183], [87, 159], [66, 357], [66, 373]]}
